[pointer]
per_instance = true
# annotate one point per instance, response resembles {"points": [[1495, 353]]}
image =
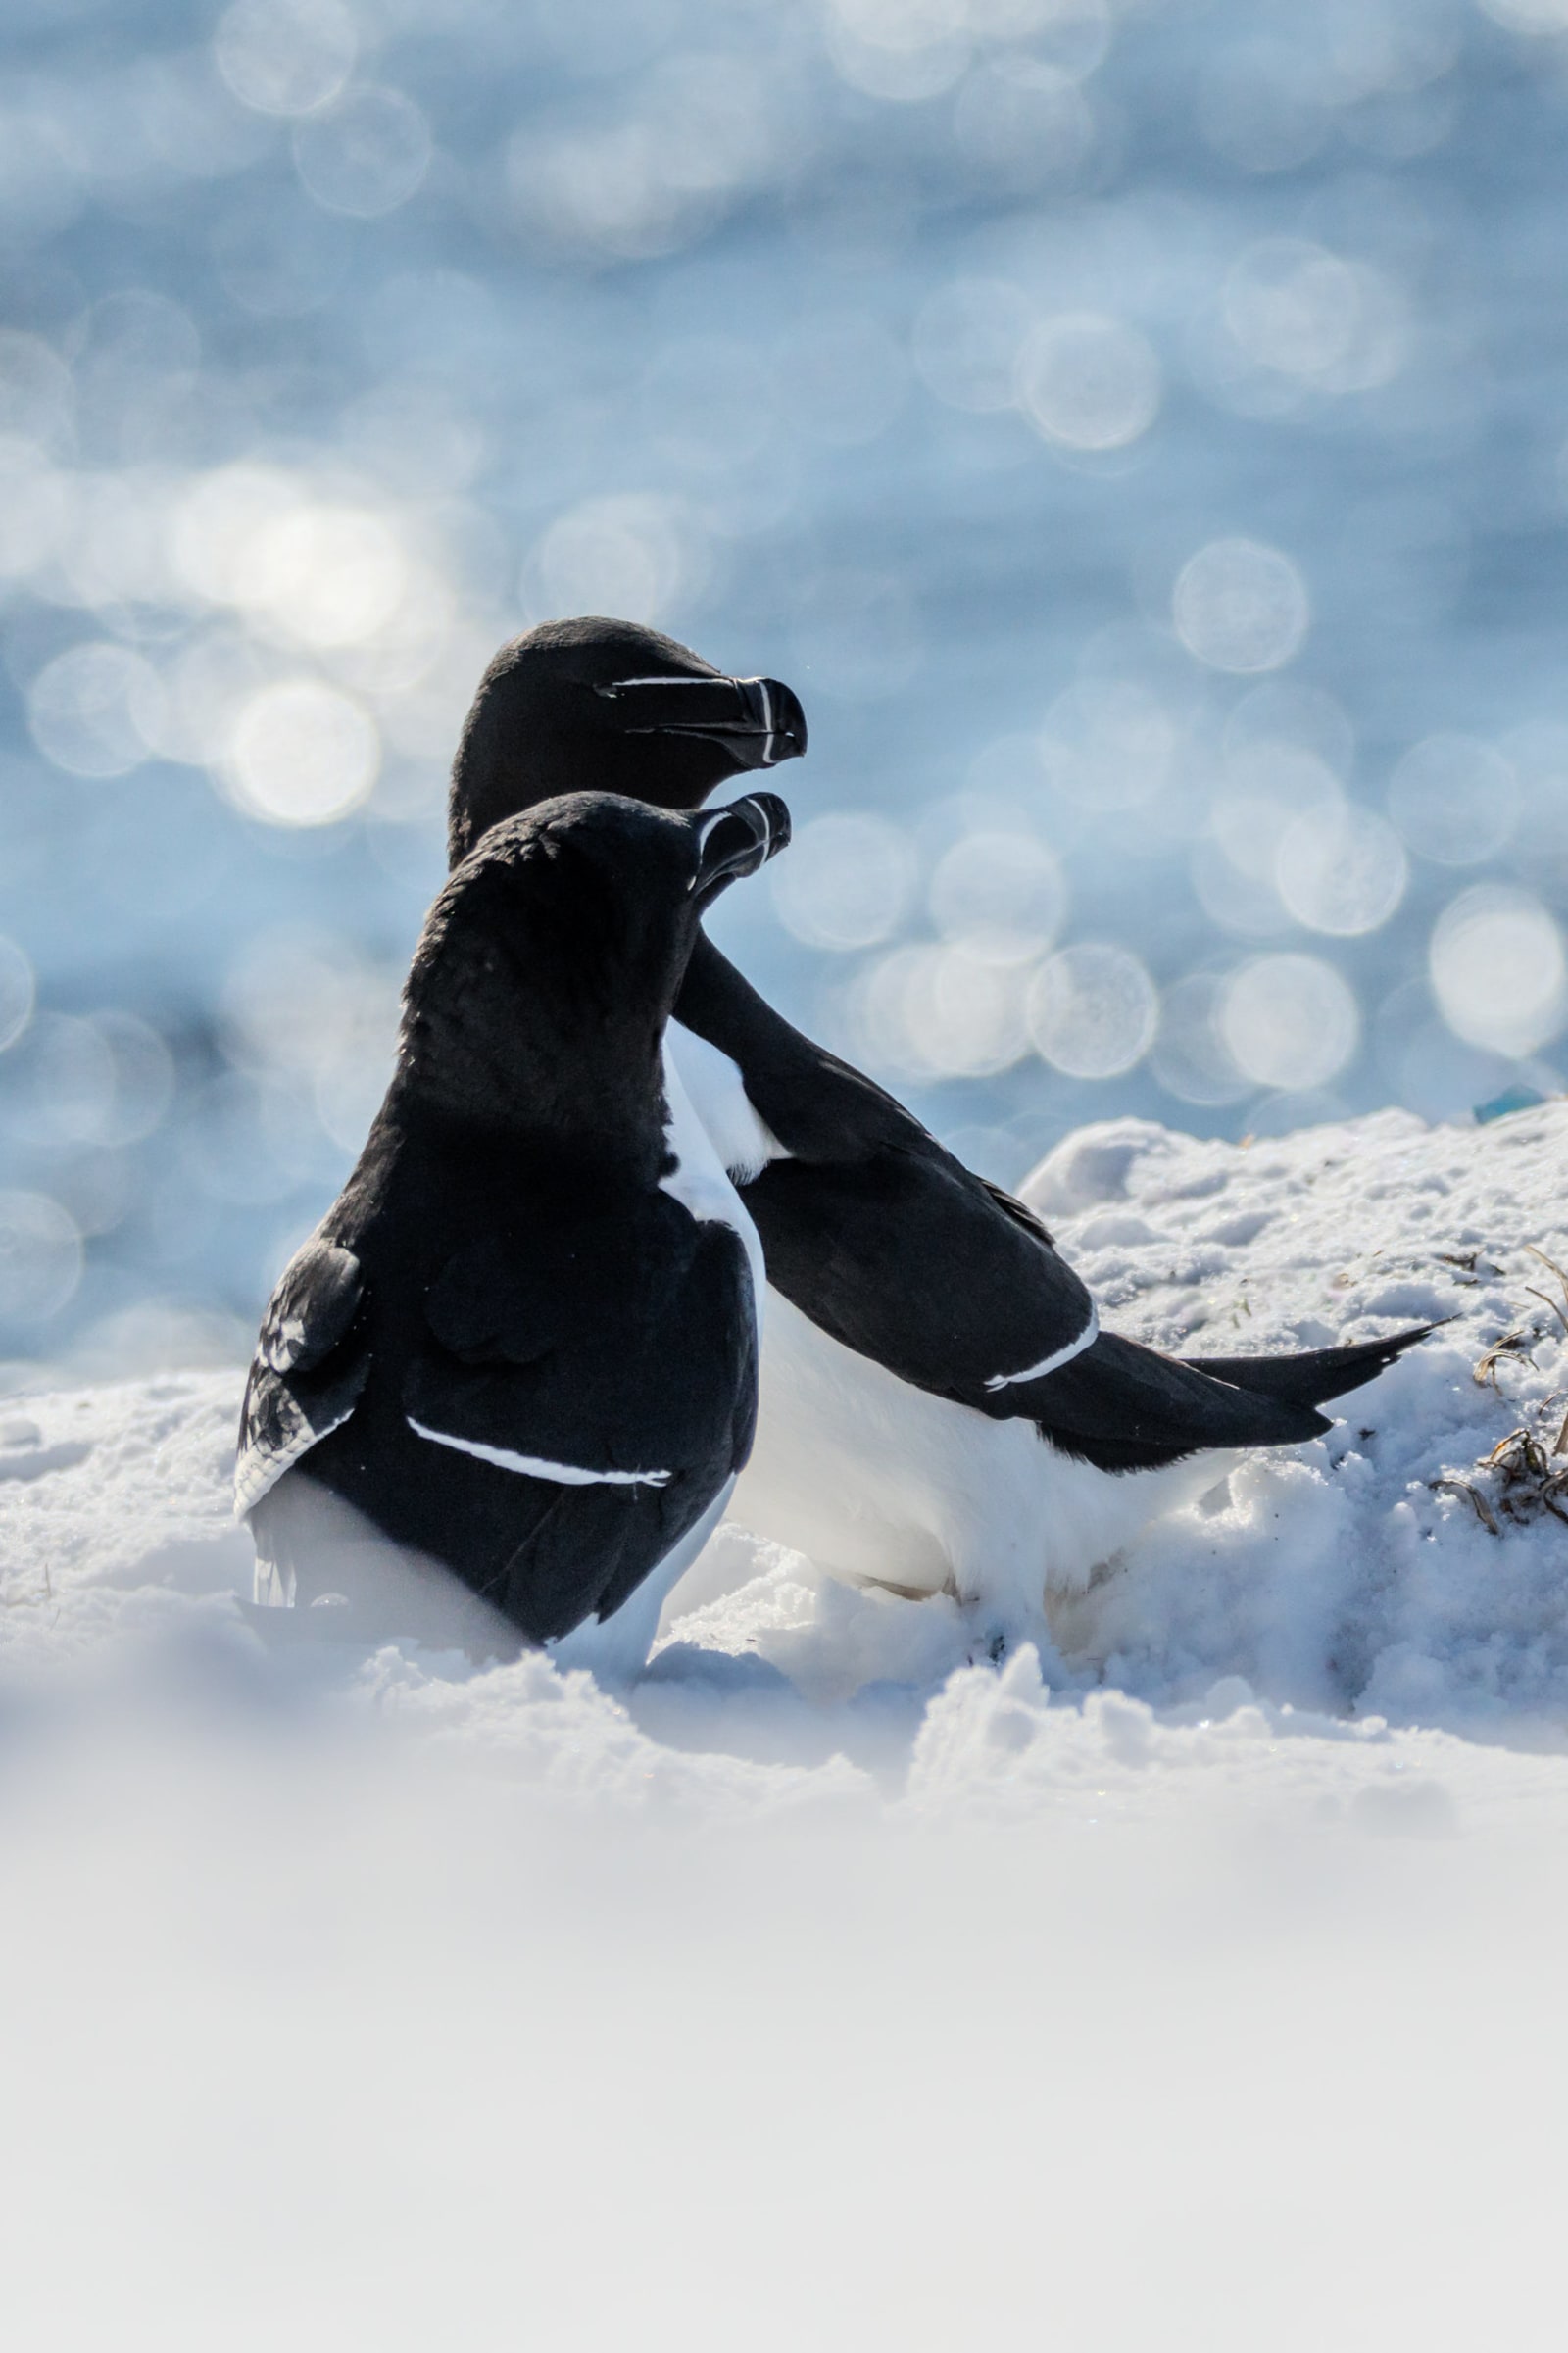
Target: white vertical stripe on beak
{"points": [[703, 832], [767, 721], [717, 818]]}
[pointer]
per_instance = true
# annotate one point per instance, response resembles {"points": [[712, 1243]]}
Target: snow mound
{"points": [[1411, 1564], [1190, 1978], [1407, 1568]]}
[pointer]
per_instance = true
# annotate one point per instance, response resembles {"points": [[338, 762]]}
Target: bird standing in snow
{"points": [[940, 1411], [521, 1346]]}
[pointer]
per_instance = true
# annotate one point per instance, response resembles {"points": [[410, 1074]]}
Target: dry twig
{"points": [[1516, 1343], [1472, 1495], [1522, 1482], [1548, 1302]]}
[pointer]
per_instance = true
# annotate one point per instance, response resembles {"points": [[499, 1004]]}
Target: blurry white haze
{"points": [[337, 2044], [1136, 429], [1189, 1977]]}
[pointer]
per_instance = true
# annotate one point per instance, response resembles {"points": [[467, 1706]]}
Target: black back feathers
{"points": [[508, 1348], [891, 1246], [874, 1232]]}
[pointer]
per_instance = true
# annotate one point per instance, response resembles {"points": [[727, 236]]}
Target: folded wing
{"points": [[908, 1261], [311, 1366], [581, 1402]]}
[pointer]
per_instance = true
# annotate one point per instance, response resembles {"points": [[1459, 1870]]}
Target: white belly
{"points": [[704, 1138], [879, 1483], [882, 1483]]}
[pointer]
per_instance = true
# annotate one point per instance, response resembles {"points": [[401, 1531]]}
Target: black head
{"points": [[609, 706], [548, 966]]}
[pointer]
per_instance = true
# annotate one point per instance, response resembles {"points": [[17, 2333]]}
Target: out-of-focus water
{"points": [[1136, 431]]}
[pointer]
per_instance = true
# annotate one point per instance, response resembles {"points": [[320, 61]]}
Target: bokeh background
{"points": [[1135, 427]]}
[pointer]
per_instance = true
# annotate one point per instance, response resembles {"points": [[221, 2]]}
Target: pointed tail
{"points": [[1316, 1374], [1126, 1407]]}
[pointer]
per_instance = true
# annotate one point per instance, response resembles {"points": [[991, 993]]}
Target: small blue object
{"points": [[1512, 1099]]}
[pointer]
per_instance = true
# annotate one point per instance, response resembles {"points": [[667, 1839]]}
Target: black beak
{"points": [[736, 841], [758, 721]]}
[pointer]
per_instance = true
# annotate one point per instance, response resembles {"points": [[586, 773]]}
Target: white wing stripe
{"points": [[257, 1473], [1052, 1364], [534, 1466]]}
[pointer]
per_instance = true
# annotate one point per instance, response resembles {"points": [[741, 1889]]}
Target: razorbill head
{"points": [[940, 1409], [615, 708], [516, 1360]]}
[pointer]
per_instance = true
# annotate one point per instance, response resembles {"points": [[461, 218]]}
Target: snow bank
{"points": [[1383, 1567], [838, 1985]]}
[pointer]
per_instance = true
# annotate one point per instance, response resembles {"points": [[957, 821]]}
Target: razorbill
{"points": [[521, 1346], [613, 708], [940, 1409]]}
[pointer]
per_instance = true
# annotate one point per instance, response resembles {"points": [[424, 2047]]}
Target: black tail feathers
{"points": [[1316, 1375], [1125, 1408]]}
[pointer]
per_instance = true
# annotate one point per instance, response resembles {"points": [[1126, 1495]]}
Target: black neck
{"points": [[599, 1108], [817, 1107]]}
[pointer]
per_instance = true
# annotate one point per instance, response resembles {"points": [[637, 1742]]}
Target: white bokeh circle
{"points": [[96, 710], [1455, 797], [1241, 607], [302, 754], [1290, 1021], [1343, 871], [845, 882], [1092, 1009], [1499, 970], [285, 57], [1002, 895], [40, 1258], [1089, 383]]}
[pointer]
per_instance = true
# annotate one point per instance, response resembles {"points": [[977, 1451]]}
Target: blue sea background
{"points": [[1137, 433]]}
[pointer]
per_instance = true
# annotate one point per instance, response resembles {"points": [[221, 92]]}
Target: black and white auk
{"points": [[515, 1368], [940, 1409]]}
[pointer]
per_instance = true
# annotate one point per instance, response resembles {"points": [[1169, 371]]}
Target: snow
{"points": [[1189, 1978]]}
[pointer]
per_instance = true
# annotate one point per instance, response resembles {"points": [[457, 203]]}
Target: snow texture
{"points": [[1188, 1977]]}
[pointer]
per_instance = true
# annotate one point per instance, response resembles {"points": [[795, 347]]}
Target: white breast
{"points": [[717, 1094], [873, 1480], [699, 1179], [880, 1483]]}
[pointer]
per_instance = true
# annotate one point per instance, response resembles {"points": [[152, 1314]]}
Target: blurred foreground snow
{"points": [[837, 1987]]}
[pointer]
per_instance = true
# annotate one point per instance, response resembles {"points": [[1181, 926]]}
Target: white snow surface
{"points": [[1189, 1977]]}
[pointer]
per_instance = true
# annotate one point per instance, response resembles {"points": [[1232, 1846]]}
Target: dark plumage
{"points": [[558, 709], [896, 1257], [511, 1348], [865, 1215]]}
